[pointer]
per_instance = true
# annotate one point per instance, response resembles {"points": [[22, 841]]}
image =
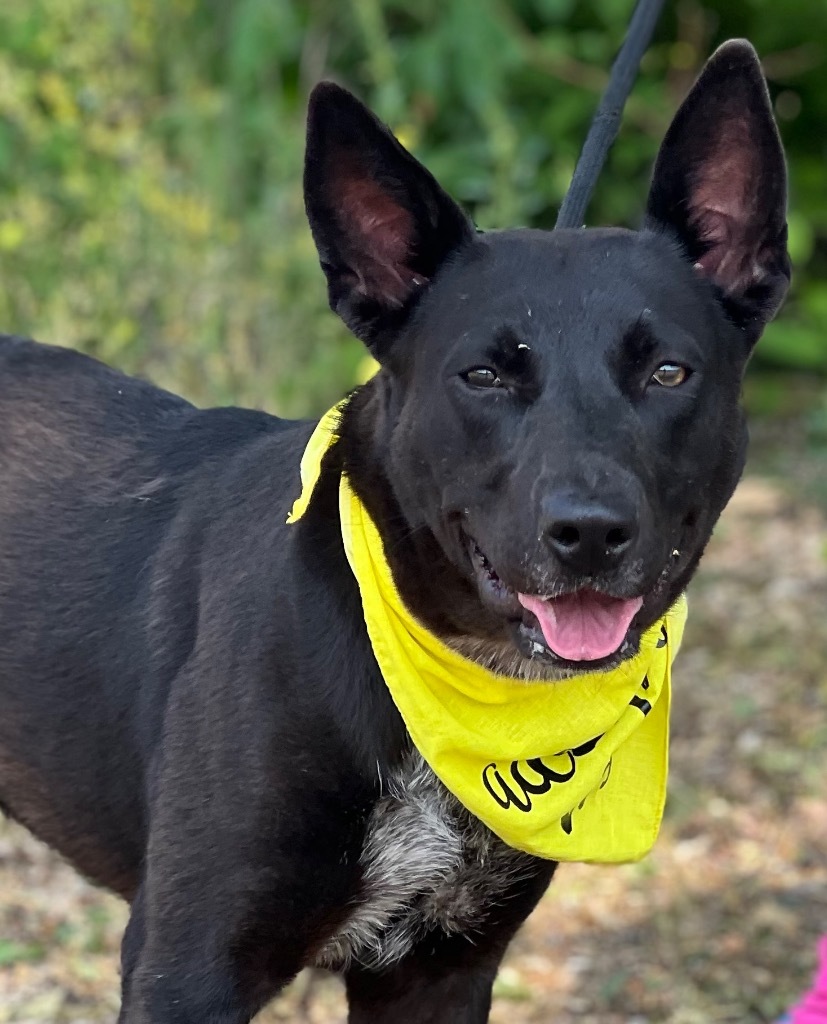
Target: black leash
{"points": [[606, 121]]}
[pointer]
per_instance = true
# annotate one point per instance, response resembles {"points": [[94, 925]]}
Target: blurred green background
{"points": [[151, 214], [151, 151]]}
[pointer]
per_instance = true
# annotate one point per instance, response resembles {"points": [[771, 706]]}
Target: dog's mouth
{"points": [[582, 626], [585, 625]]}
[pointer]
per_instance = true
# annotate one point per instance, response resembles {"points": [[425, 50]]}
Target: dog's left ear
{"points": [[720, 183], [381, 223]]}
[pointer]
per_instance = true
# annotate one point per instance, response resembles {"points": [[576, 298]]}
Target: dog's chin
{"points": [[524, 649]]}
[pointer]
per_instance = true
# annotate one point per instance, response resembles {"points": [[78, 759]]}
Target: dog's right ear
{"points": [[381, 223]]}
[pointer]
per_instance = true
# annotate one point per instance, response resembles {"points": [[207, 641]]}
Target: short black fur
{"points": [[190, 710]]}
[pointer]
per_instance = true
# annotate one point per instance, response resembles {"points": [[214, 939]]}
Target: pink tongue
{"points": [[584, 626]]}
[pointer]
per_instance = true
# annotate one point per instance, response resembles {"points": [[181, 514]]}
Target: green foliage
{"points": [[150, 161], [18, 952]]}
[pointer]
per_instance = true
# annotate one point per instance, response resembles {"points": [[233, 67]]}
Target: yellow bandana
{"points": [[572, 770]]}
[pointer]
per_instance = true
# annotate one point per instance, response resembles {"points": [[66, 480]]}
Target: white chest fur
{"points": [[427, 864]]}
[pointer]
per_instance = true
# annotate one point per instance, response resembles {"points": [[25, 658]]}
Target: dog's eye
{"points": [[482, 377], [670, 375]]}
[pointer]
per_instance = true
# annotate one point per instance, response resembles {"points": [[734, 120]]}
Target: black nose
{"points": [[589, 538]]}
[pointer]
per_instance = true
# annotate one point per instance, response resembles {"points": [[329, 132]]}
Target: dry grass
{"points": [[718, 925]]}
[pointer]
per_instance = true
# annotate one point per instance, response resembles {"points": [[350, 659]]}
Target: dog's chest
{"points": [[427, 864]]}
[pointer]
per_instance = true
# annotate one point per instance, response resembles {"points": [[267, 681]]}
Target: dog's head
{"points": [[555, 427]]}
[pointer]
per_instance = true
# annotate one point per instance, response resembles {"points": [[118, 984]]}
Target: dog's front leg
{"points": [[199, 983], [215, 951], [252, 857], [446, 979], [216, 958], [414, 994]]}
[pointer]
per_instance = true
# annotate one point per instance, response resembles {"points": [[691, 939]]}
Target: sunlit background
{"points": [[151, 214]]}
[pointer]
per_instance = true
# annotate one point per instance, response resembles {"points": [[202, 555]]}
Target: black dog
{"points": [[190, 709]]}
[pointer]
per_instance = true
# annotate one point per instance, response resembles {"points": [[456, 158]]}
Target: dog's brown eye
{"points": [[670, 375], [482, 377]]}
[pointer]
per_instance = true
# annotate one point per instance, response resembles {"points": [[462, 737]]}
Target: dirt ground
{"points": [[717, 926]]}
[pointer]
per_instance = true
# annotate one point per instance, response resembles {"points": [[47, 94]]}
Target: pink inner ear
{"points": [[381, 232], [724, 210]]}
